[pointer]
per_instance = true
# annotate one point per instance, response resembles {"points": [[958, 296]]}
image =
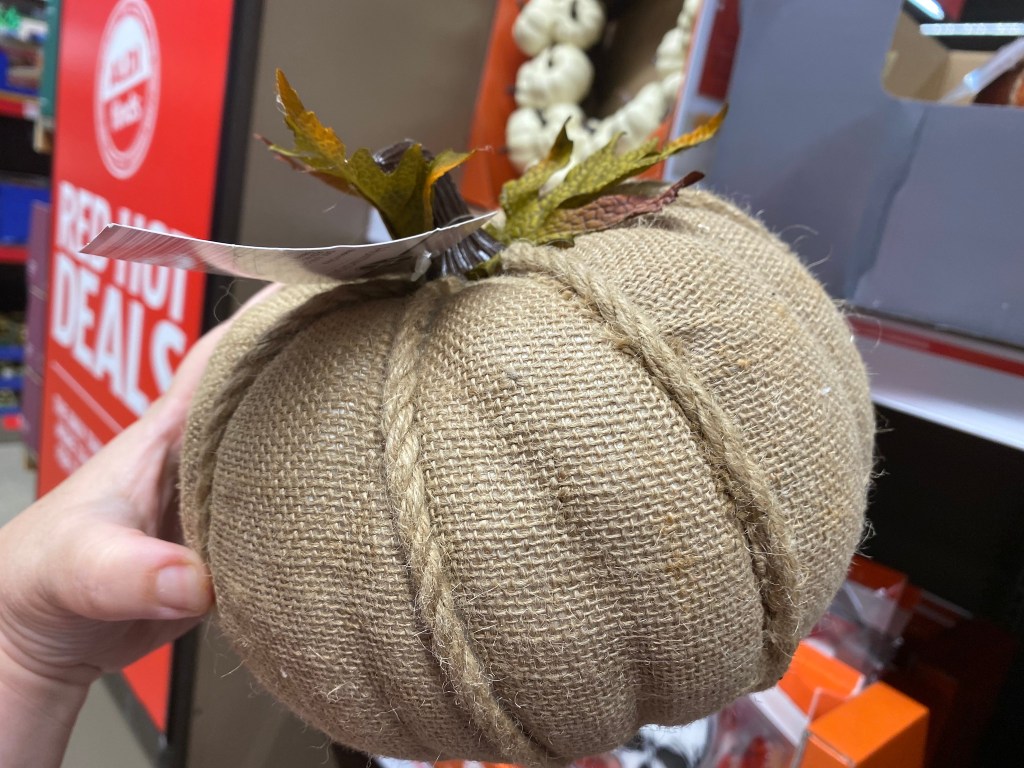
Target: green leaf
{"points": [[398, 195], [578, 203], [403, 196], [519, 197]]}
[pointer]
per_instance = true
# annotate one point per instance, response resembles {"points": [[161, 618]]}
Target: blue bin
{"points": [[16, 196]]}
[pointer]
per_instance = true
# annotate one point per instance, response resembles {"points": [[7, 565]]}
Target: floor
{"points": [[101, 738]]}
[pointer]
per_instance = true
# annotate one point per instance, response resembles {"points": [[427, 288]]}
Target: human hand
{"points": [[89, 581]]}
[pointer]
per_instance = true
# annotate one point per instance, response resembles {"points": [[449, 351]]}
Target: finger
{"points": [[170, 409], [136, 458], [113, 573]]}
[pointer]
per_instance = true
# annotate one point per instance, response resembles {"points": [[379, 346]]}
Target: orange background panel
{"points": [[487, 171]]}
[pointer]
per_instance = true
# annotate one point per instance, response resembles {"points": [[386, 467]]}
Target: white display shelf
{"points": [[967, 385]]}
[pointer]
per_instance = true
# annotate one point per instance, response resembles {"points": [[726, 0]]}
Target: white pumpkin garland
{"points": [[551, 85]]}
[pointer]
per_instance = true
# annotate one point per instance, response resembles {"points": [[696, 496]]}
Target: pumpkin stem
{"points": [[448, 207]]}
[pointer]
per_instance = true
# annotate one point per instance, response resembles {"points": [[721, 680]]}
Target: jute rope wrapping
{"points": [[515, 519]]}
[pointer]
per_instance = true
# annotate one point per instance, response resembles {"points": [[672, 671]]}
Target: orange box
{"points": [[880, 728], [818, 683]]}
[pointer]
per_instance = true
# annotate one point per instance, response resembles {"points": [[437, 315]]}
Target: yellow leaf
{"points": [[445, 161], [698, 135], [316, 146], [403, 196]]}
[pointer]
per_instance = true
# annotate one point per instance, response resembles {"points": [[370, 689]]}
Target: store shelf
{"points": [[967, 385], [12, 254], [13, 104]]}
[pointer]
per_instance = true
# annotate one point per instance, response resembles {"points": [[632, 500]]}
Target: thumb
{"points": [[116, 574]]}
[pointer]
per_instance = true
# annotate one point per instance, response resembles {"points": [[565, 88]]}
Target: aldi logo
{"points": [[127, 91]]}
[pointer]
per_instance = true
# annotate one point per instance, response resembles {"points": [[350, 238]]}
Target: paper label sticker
{"points": [[410, 255]]}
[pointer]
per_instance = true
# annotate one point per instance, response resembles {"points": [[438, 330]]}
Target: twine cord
{"points": [[406, 488]]}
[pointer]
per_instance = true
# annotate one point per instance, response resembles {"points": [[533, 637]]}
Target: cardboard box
{"points": [[905, 206], [919, 67]]}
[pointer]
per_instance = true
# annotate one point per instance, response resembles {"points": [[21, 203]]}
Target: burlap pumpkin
{"points": [[516, 519]]}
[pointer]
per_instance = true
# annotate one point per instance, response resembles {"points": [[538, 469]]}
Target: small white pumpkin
{"points": [[524, 137], [671, 55], [530, 133], [601, 131], [671, 86], [640, 116], [686, 23], [578, 22], [688, 15], [532, 29], [557, 115], [560, 74]]}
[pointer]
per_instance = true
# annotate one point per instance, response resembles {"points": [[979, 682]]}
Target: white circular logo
{"points": [[127, 91]]}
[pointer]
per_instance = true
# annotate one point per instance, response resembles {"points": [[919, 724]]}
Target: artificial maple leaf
{"points": [[576, 205], [519, 197], [403, 196], [607, 211]]}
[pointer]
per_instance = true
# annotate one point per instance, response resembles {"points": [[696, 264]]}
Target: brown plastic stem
{"points": [[448, 208]]}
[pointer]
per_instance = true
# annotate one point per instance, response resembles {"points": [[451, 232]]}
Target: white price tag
{"points": [[410, 255]]}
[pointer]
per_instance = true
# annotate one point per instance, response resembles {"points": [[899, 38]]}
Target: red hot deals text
{"points": [[121, 321]]}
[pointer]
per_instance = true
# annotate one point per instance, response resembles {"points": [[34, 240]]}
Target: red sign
{"points": [[721, 50], [140, 100]]}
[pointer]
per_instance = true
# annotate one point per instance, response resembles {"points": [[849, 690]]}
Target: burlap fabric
{"points": [[516, 519]]}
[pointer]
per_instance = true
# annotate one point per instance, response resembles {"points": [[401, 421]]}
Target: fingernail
{"points": [[183, 588]]}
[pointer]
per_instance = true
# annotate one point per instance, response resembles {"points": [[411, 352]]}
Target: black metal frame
{"points": [[234, 149]]}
